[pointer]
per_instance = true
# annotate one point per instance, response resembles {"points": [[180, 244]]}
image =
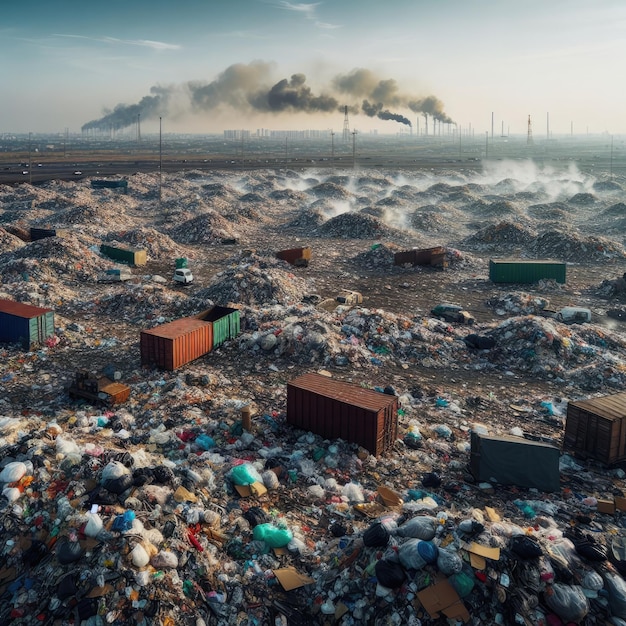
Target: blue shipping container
{"points": [[25, 324]]}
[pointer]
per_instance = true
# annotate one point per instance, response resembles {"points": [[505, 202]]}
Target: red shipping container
{"points": [[170, 346], [337, 410], [299, 257]]}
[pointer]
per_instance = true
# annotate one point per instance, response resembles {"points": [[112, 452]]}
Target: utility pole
{"points": [[160, 163], [611, 166], [30, 160], [353, 149], [486, 144], [529, 137], [332, 149], [346, 125]]}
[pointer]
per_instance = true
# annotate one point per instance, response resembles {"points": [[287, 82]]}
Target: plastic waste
{"points": [[124, 522], [616, 588], [376, 536], [463, 583], [449, 562], [245, 474], [525, 508], [12, 472], [419, 527], [274, 536], [390, 574], [568, 602], [416, 553]]}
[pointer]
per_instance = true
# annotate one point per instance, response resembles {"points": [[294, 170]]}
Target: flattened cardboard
{"points": [[620, 503], [389, 497], [485, 551], [255, 489], [443, 598], [492, 514], [290, 579], [478, 562]]}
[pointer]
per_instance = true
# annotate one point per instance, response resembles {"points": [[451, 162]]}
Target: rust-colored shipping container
{"points": [[299, 257], [337, 410], [435, 257], [596, 428], [170, 346]]}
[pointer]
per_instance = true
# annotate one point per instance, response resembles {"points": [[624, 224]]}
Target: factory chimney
{"points": [[346, 125]]}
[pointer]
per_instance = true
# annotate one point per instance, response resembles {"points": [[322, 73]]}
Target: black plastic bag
{"points": [[525, 547], [376, 536], [389, 574]]}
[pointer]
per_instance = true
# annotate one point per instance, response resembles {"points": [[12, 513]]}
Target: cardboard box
{"points": [[255, 489], [606, 506], [443, 598], [620, 503]]}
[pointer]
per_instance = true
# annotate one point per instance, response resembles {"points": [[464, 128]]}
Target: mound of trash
{"points": [[569, 246], [330, 190], [309, 217], [615, 210], [517, 303], [380, 255], [583, 199], [352, 225], [255, 280], [9, 241], [51, 260], [549, 211], [496, 235], [156, 244], [206, 228]]}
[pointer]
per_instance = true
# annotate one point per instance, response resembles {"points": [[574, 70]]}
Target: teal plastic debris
{"points": [[273, 536]]}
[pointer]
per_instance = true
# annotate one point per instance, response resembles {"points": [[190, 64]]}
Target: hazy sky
{"points": [[207, 65]]}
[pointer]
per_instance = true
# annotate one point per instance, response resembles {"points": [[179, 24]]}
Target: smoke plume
{"points": [[248, 89]]}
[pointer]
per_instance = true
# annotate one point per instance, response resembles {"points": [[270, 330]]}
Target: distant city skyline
{"points": [[205, 67]]}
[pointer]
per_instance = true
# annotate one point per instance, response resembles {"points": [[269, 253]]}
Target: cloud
{"points": [[308, 8], [327, 26], [144, 43]]}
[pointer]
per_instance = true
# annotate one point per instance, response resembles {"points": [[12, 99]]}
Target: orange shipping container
{"points": [[172, 345], [299, 257]]}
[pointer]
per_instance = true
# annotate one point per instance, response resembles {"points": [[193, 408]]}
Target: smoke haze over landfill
{"points": [[284, 65]]}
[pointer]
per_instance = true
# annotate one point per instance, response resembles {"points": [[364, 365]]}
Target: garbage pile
{"points": [[9, 242], [517, 303], [205, 228], [255, 279], [569, 246], [357, 226], [494, 236], [156, 244]]}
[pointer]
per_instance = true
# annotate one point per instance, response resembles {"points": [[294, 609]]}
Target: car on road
{"points": [[573, 315], [77, 173], [452, 313]]}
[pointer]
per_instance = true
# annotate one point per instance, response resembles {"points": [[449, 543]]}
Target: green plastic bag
{"points": [[462, 583], [273, 536], [244, 474]]}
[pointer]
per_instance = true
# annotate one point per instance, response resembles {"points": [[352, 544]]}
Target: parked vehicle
{"points": [[349, 298], [573, 315], [115, 276], [99, 390], [452, 313], [183, 275]]}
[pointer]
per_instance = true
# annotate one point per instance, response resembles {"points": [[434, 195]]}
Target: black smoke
{"points": [[248, 89], [376, 110]]}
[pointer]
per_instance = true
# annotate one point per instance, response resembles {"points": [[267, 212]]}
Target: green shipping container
{"points": [[226, 323], [131, 256], [526, 272], [180, 263]]}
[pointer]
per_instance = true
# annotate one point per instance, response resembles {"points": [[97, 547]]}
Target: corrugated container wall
{"points": [[127, 255], [172, 345], [515, 271], [596, 428], [226, 323], [427, 256], [515, 461], [295, 256], [43, 233], [24, 323], [338, 410]]}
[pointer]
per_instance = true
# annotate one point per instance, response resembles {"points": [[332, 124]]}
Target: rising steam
{"points": [[248, 88]]}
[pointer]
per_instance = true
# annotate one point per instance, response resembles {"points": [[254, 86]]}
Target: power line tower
{"points": [[529, 138], [346, 125]]}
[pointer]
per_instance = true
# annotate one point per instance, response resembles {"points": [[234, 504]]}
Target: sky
{"points": [[203, 66]]}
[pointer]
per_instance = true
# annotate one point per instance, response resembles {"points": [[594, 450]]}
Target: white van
{"points": [[183, 275]]}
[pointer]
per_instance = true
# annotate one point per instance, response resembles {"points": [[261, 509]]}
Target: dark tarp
{"points": [[515, 461]]}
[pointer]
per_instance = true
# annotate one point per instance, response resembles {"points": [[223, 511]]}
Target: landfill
{"points": [[195, 502]]}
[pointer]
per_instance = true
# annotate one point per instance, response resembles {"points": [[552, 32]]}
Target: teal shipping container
{"points": [[122, 253], [525, 271], [181, 263], [226, 323], [25, 324]]}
